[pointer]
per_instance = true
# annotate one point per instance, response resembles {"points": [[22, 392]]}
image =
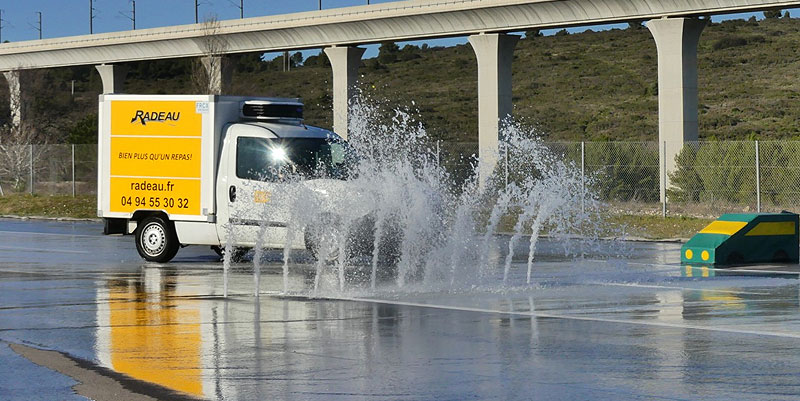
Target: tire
{"points": [[313, 236], [360, 240], [156, 240], [238, 254], [312, 246]]}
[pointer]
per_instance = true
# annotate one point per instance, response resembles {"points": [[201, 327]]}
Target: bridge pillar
{"points": [[219, 72], [15, 96], [676, 40], [344, 63], [494, 52], [113, 77]]}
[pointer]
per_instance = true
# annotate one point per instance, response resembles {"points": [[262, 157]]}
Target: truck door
{"points": [[254, 171]]}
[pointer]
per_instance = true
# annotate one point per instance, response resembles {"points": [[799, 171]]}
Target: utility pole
{"points": [[240, 6], [132, 16], [1, 26], [320, 4], [40, 24], [91, 17], [196, 13]]}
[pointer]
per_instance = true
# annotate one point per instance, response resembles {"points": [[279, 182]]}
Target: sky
{"points": [[71, 17]]}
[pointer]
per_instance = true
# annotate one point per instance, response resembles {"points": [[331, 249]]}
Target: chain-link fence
{"points": [[705, 179], [48, 169]]}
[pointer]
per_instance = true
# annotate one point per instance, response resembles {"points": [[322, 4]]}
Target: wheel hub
{"points": [[153, 239]]}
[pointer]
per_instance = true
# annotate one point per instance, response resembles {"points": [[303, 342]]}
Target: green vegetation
{"points": [[83, 206], [657, 227], [592, 86], [717, 171]]}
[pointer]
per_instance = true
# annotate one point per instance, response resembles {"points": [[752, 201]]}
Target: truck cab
{"points": [[258, 161]]}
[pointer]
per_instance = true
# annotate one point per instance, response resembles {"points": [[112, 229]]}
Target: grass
{"points": [[657, 227], [82, 206]]}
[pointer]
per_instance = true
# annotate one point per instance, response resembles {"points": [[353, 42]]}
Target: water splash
{"points": [[404, 222]]}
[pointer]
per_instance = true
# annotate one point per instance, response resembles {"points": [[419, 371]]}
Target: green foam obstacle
{"points": [[742, 238]]}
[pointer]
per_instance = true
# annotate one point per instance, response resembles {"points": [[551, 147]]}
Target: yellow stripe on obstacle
{"points": [[724, 227], [773, 228]]}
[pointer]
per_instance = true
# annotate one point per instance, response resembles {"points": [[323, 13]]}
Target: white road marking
{"points": [[579, 318], [666, 265], [727, 270], [52, 234], [45, 250], [666, 287]]}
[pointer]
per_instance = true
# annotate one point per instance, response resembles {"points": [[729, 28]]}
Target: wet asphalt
{"points": [[587, 328]]}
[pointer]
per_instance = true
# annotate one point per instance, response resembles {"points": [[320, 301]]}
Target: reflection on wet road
{"points": [[588, 329], [150, 334]]}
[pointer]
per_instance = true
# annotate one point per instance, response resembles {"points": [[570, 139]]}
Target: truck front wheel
{"points": [[156, 240]]}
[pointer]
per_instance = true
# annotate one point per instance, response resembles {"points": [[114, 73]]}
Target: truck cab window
{"points": [[264, 159]]}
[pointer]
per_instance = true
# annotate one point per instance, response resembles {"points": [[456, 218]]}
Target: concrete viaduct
{"points": [[676, 26]]}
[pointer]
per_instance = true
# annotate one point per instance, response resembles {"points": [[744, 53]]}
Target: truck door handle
{"points": [[232, 193]]}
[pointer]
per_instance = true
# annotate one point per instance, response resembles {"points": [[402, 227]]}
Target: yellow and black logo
{"points": [[143, 117]]}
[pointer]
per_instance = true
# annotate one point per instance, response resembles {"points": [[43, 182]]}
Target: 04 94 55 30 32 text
{"points": [[154, 202]]}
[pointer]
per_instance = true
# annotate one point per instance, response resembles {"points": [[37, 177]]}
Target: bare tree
{"points": [[18, 156], [208, 72]]}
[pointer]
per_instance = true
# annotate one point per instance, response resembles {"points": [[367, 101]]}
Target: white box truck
{"points": [[178, 170]]}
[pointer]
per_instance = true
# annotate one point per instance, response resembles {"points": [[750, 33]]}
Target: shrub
{"points": [[713, 171], [729, 41]]}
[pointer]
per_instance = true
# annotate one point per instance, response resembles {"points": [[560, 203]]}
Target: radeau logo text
{"points": [[144, 117]]}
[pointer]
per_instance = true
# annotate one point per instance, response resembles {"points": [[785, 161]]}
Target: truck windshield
{"points": [[264, 159]]}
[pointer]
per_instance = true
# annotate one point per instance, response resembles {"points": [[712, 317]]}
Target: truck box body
{"points": [[160, 153]]}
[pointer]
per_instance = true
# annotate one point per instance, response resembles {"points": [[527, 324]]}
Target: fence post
{"points": [[73, 170], [438, 154], [758, 180], [30, 164], [583, 177], [505, 148], [664, 179]]}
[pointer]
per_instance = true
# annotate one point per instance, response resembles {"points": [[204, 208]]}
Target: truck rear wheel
{"points": [[156, 240], [237, 256]]}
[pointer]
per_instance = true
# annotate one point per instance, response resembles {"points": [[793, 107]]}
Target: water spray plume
{"points": [[403, 222]]}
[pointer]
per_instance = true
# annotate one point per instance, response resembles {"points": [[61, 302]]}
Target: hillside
{"points": [[589, 86]]}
